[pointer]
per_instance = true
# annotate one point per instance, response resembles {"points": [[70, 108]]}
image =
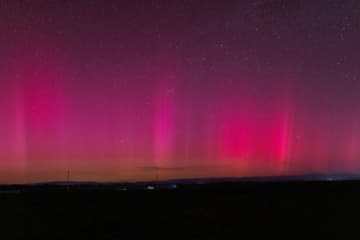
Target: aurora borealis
{"points": [[111, 89]]}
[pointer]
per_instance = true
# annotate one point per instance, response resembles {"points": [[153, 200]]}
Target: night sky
{"points": [[145, 89]]}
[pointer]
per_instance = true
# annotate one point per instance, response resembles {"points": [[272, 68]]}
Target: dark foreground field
{"points": [[209, 211]]}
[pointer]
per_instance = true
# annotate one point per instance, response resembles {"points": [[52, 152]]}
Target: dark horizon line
{"points": [[279, 178]]}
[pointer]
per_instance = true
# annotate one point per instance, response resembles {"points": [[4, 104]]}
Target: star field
{"points": [[107, 89]]}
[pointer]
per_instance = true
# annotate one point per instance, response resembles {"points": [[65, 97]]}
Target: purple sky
{"points": [[220, 88]]}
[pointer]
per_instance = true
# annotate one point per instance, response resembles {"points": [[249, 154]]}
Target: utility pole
{"points": [[68, 180]]}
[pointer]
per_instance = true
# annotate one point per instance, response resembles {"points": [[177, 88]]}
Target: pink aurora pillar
{"points": [[164, 126]]}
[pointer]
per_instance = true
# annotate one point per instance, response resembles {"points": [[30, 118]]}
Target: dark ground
{"points": [[208, 211]]}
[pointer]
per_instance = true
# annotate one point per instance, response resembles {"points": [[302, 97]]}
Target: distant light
{"points": [[150, 188], [123, 189]]}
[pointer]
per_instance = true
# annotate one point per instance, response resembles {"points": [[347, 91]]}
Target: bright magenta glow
{"points": [[151, 89], [164, 127]]}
